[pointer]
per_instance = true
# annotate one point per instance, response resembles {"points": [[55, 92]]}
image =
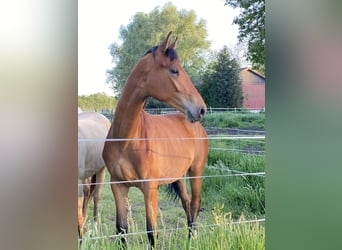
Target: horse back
{"points": [[91, 125]]}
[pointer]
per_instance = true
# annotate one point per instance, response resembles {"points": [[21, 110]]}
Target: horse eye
{"points": [[174, 71]]}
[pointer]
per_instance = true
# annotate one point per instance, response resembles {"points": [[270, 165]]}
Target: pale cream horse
{"points": [[91, 167]]}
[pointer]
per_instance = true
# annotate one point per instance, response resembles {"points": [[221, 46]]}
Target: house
{"points": [[253, 88]]}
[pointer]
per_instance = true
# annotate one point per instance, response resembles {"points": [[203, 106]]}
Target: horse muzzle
{"points": [[194, 114]]}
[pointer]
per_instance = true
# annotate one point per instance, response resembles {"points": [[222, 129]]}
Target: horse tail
{"points": [[173, 191]]}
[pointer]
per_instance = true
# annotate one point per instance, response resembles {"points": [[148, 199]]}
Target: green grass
{"points": [[229, 236], [246, 120], [224, 200], [242, 120], [173, 232], [222, 147], [242, 194]]}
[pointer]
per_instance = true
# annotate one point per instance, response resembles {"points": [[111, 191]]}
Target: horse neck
{"points": [[129, 109]]}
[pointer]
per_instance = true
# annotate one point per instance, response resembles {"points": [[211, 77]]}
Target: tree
{"points": [[148, 30], [97, 102], [221, 83], [251, 23]]}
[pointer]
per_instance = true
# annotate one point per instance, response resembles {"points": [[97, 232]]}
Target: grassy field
{"points": [[243, 120], [228, 204]]}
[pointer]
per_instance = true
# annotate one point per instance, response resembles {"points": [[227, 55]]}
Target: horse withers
{"points": [[91, 166], [153, 150]]}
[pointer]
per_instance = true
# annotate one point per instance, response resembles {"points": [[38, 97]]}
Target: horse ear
{"points": [[173, 45], [162, 48]]}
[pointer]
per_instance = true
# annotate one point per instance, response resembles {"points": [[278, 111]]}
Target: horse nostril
{"points": [[202, 111]]}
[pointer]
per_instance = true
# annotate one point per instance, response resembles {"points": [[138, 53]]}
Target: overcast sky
{"points": [[98, 27]]}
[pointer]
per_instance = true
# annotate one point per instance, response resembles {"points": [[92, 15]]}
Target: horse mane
{"points": [[170, 53]]}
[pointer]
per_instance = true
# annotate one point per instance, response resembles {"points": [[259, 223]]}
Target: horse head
{"points": [[167, 81]]}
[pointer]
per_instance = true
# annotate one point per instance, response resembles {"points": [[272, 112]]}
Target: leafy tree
{"points": [[148, 30], [97, 102], [221, 83], [251, 23]]}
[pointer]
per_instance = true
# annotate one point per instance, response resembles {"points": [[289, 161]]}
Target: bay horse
{"points": [[165, 146], [91, 166]]}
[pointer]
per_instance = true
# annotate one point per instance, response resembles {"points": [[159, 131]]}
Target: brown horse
{"points": [[162, 153]]}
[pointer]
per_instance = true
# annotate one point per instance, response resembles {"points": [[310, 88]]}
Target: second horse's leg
{"points": [[100, 177]]}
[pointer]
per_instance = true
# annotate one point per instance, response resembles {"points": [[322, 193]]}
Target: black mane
{"points": [[171, 53]]}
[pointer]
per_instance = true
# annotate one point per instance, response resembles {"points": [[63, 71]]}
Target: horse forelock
{"points": [[170, 53]]}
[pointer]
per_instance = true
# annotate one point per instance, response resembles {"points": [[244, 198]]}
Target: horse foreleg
{"points": [[196, 187], [120, 192], [150, 191]]}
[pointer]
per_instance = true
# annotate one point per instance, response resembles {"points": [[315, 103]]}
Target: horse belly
{"points": [[175, 162], [90, 160]]}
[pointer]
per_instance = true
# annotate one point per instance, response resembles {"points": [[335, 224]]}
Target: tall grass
{"points": [[224, 234], [225, 201], [240, 194]]}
